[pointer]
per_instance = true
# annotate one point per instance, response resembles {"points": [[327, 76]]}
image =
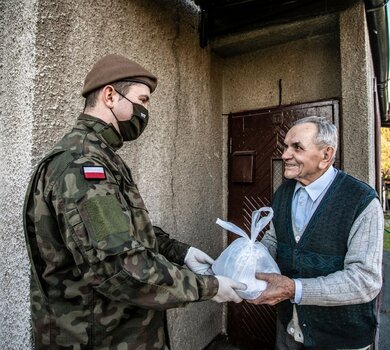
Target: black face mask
{"points": [[133, 128]]}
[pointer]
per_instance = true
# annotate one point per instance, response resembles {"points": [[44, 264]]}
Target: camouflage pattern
{"points": [[102, 275]]}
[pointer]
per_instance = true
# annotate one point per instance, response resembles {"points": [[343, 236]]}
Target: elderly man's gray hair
{"points": [[326, 131]]}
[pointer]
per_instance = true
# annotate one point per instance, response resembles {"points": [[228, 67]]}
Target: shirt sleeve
{"points": [[361, 279], [298, 291], [111, 254]]}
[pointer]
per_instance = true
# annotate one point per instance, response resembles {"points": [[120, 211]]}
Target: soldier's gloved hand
{"points": [[198, 261], [227, 290]]}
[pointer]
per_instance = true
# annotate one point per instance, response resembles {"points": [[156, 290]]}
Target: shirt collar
{"points": [[315, 189]]}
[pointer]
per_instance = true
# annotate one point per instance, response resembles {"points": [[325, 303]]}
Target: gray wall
{"points": [[357, 108], [17, 72], [49, 47], [309, 69]]}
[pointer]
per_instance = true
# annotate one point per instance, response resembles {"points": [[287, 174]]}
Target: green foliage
{"points": [[385, 152], [386, 238]]}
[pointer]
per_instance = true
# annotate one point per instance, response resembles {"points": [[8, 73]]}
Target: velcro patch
{"points": [[94, 173], [104, 216]]}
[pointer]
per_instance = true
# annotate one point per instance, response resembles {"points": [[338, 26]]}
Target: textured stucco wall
{"points": [[17, 52], [357, 108], [309, 69], [177, 162]]}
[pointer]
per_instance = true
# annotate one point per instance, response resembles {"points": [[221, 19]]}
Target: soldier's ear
{"points": [[108, 96]]}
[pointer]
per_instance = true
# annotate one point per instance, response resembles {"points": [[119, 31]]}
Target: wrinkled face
{"points": [[303, 160], [138, 93]]}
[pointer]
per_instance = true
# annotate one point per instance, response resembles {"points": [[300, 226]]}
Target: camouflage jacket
{"points": [[102, 275]]}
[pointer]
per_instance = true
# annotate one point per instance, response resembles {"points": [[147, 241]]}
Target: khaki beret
{"points": [[112, 68]]}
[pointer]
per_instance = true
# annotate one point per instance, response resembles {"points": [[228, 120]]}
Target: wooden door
{"points": [[255, 171]]}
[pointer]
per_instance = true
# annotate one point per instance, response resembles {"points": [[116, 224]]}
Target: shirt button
{"points": [[297, 238], [292, 330]]}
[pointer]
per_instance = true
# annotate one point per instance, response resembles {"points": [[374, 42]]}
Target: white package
{"points": [[246, 256]]}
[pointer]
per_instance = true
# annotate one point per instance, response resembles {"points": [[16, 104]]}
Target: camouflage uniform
{"points": [[102, 275]]}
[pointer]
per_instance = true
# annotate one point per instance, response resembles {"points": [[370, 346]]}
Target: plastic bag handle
{"points": [[228, 226], [258, 223]]}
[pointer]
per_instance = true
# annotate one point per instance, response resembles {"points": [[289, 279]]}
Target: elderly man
{"points": [[327, 238], [102, 275]]}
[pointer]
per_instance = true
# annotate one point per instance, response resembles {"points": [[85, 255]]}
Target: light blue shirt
{"points": [[305, 202]]}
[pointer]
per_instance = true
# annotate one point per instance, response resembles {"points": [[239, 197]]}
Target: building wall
{"points": [[309, 69], [176, 162], [17, 72], [357, 108]]}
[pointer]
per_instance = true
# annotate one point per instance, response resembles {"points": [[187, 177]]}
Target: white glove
{"points": [[226, 290], [198, 261]]}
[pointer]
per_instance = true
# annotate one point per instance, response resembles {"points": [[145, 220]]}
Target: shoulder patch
{"points": [[94, 173]]}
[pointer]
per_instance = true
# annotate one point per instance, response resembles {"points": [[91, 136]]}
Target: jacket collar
{"points": [[106, 132]]}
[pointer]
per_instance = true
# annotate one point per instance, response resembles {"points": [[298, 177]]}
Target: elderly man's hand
{"points": [[279, 288]]}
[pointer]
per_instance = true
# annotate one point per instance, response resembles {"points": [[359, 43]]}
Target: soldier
{"points": [[102, 275]]}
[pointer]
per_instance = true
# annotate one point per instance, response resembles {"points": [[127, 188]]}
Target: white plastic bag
{"points": [[246, 256]]}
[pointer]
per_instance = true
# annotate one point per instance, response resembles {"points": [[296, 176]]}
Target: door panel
{"points": [[255, 171]]}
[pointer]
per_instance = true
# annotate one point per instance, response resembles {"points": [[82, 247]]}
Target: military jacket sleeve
{"points": [[172, 249], [113, 243]]}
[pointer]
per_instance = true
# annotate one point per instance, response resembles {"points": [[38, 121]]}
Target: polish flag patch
{"points": [[94, 173]]}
